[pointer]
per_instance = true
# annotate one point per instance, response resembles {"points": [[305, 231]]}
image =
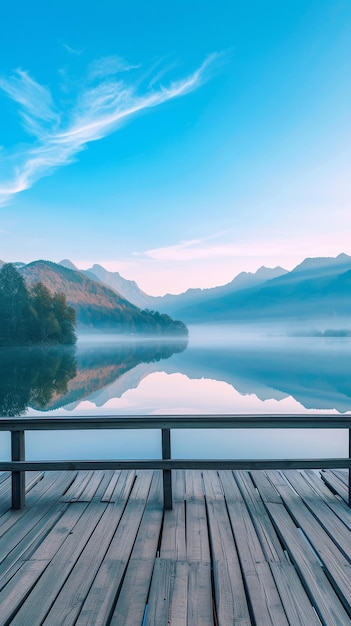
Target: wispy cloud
{"points": [[70, 49], [110, 66], [227, 245], [36, 107], [194, 249], [102, 103]]}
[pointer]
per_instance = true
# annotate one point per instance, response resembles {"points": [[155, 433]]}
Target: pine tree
{"points": [[15, 309], [35, 316]]}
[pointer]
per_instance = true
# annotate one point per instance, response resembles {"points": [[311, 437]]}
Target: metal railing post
{"points": [[18, 478], [167, 473]]}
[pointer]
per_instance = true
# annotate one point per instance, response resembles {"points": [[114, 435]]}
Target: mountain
{"points": [[195, 297], [17, 264], [126, 288], [96, 305], [323, 265], [317, 288], [69, 265], [172, 303], [319, 267]]}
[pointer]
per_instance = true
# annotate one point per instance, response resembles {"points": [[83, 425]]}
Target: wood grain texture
{"points": [[101, 599], [235, 549], [326, 601], [141, 564], [230, 598]]}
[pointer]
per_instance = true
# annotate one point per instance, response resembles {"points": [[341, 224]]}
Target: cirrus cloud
{"points": [[60, 132]]}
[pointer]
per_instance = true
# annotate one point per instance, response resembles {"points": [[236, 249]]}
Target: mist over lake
{"points": [[218, 370]]}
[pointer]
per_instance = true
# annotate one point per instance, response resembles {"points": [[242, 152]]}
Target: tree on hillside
{"points": [[35, 316], [54, 321], [15, 308], [164, 324], [66, 317]]}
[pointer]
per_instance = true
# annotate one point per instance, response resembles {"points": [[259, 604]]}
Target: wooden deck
{"points": [[239, 547]]}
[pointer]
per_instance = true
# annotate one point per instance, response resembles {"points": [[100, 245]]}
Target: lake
{"points": [[218, 370]]}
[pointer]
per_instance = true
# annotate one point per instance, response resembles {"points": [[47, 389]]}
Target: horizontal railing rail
{"points": [[165, 423], [176, 421]]}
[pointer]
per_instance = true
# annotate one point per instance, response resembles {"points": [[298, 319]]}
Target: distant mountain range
{"points": [[317, 288], [130, 290]]}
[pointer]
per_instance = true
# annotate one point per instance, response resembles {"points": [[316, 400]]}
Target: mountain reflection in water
{"points": [[48, 378], [312, 373]]}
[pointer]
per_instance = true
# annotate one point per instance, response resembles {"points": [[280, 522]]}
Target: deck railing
{"points": [[165, 423]]}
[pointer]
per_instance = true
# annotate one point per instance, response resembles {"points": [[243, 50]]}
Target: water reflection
{"points": [[33, 376], [273, 374], [315, 372], [49, 378], [270, 374]]}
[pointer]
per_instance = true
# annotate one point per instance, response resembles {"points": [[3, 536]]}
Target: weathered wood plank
{"points": [[336, 504], [37, 605], [265, 530], [173, 544], [32, 478], [77, 487], [168, 594], [130, 476], [323, 597], [39, 490], [140, 566], [264, 599], [66, 607], [200, 601], [92, 486], [197, 539], [295, 600], [160, 593], [337, 567], [18, 524], [111, 485], [334, 527], [342, 474], [4, 476], [200, 609], [338, 485], [108, 476], [103, 593], [231, 603], [30, 543], [20, 585]]}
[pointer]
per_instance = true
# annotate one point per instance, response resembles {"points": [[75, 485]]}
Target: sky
{"points": [[178, 143]]}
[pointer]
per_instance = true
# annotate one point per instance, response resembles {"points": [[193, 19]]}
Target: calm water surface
{"points": [[219, 370]]}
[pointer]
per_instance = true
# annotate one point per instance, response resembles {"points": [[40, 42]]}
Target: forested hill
{"points": [[97, 306], [32, 315]]}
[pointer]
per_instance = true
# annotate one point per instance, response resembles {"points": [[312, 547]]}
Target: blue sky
{"points": [[177, 142]]}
